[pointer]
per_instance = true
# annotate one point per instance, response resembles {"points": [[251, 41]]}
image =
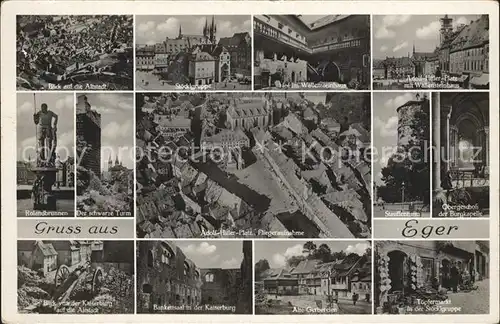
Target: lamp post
{"points": [[403, 192]]}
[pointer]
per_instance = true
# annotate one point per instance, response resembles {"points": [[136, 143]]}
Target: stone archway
{"points": [[330, 72], [398, 270]]}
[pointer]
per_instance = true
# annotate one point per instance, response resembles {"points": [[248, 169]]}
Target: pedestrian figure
{"points": [[454, 277], [355, 297]]}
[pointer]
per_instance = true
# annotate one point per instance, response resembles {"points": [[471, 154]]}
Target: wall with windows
{"points": [[165, 276], [220, 286]]}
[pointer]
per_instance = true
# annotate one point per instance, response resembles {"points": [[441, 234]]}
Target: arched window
{"points": [[150, 259], [209, 277], [167, 254], [186, 268]]}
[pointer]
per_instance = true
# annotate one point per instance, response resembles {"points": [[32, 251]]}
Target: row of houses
{"points": [[463, 53], [47, 256], [339, 278]]}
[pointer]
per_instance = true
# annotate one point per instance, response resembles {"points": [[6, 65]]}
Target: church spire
{"points": [[116, 161], [180, 31], [205, 29], [213, 30], [413, 48]]}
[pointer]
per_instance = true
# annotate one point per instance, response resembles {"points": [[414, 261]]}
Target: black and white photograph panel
{"points": [[401, 159], [105, 150], [432, 277], [253, 165], [45, 155], [461, 166], [431, 52], [74, 52], [313, 277], [193, 52], [194, 277], [328, 52], [75, 277]]}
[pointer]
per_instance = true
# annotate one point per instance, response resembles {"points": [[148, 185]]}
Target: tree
{"points": [[309, 248], [340, 255], [323, 253], [295, 260], [261, 266]]}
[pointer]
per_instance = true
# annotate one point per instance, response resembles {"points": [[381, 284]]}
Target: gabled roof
{"points": [[306, 266], [46, 248]]}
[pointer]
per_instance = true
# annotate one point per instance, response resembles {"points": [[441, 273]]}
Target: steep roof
{"points": [[46, 248], [306, 266], [473, 35]]}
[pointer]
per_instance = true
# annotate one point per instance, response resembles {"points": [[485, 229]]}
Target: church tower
{"points": [[446, 28], [110, 162], [180, 32], [213, 31]]}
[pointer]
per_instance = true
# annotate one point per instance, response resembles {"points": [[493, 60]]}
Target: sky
{"points": [[385, 126], [117, 129], [154, 29], [277, 252], [213, 254], [311, 18], [60, 103], [394, 35]]}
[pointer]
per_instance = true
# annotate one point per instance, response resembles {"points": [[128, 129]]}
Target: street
{"points": [[149, 81], [344, 306], [473, 302]]}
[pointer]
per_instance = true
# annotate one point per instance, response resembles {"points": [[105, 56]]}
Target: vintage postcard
{"points": [[252, 161]]}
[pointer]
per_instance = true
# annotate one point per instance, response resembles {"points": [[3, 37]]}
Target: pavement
{"points": [[472, 302], [149, 81], [344, 306]]}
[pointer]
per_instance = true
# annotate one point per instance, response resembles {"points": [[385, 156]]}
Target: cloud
{"points": [[359, 248], [25, 107], [120, 101], [387, 128], [67, 102], [460, 21], [383, 48], [247, 25], [146, 26], [279, 260], [428, 32], [400, 46], [204, 248], [114, 129], [169, 26], [384, 33], [294, 251], [395, 20], [232, 263], [398, 101]]}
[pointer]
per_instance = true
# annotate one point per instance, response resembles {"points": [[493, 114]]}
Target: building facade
{"points": [[88, 135], [165, 276], [418, 264], [333, 49], [247, 115]]}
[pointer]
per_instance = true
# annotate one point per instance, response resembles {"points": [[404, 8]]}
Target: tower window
{"points": [[209, 277]]}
